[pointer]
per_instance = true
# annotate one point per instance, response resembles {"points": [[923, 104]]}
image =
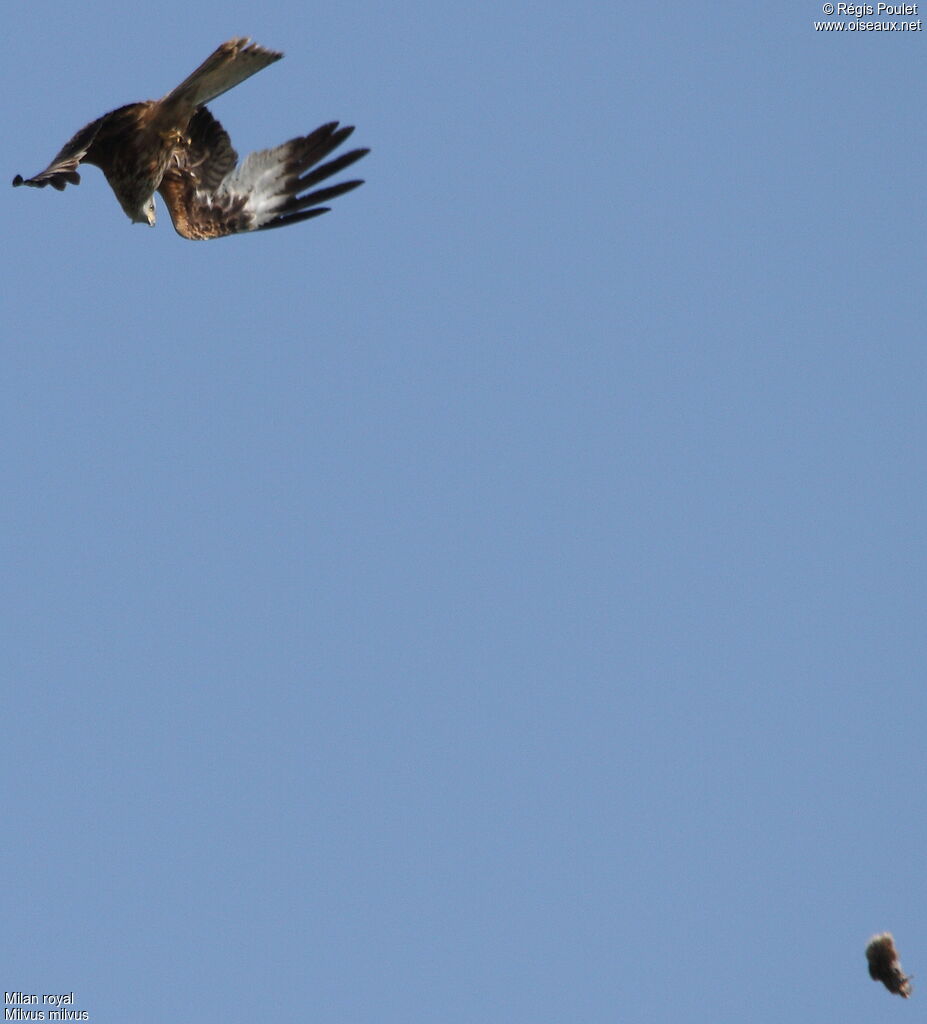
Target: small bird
{"points": [[174, 146], [884, 965]]}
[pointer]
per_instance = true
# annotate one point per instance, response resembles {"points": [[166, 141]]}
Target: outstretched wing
{"points": [[207, 196], [222, 70], [62, 170]]}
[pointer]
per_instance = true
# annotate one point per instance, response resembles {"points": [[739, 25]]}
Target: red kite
{"points": [[884, 965], [176, 147]]}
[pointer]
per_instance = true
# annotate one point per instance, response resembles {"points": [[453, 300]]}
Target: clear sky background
{"points": [[501, 599]]}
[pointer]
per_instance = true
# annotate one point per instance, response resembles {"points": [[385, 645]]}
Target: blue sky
{"points": [[500, 599]]}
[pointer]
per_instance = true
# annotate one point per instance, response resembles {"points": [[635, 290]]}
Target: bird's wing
{"points": [[208, 152], [222, 70], [268, 189], [63, 169], [229, 65]]}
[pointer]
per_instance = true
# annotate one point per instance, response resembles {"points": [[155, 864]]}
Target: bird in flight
{"points": [[174, 146], [885, 966]]}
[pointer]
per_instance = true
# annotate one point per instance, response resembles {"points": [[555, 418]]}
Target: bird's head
{"points": [[138, 214], [147, 213]]}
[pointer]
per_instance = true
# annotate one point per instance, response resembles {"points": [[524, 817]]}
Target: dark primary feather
{"points": [[307, 152]]}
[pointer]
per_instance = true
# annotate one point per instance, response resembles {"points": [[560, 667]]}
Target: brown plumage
{"points": [[884, 965], [176, 147]]}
